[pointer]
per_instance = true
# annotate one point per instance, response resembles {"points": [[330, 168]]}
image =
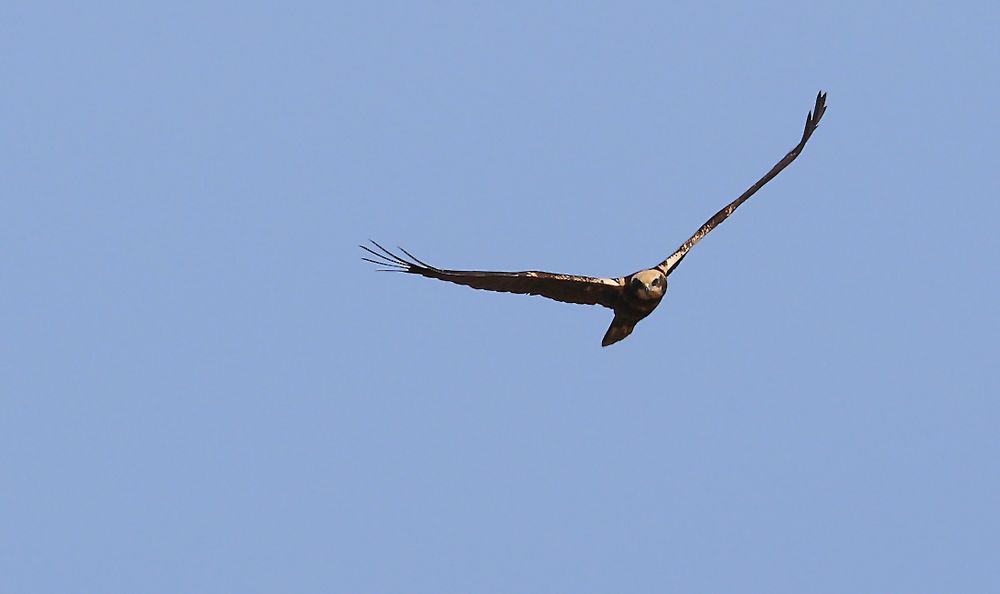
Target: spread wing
{"points": [[812, 121], [568, 288]]}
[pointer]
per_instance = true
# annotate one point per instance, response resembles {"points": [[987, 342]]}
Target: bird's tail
{"points": [[620, 328]]}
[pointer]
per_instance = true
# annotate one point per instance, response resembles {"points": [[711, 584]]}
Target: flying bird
{"points": [[631, 297]]}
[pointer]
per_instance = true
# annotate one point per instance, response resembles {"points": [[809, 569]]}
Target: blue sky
{"points": [[205, 390]]}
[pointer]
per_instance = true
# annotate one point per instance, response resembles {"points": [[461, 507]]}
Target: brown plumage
{"points": [[632, 297]]}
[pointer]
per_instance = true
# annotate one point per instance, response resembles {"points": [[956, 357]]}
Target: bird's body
{"points": [[641, 293], [631, 297]]}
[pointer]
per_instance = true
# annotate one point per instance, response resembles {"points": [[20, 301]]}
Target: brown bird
{"points": [[632, 297]]}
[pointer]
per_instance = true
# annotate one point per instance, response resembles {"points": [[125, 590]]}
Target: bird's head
{"points": [[648, 284]]}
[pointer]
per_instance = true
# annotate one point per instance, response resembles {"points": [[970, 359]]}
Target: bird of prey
{"points": [[631, 297]]}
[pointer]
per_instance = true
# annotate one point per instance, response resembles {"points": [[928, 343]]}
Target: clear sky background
{"points": [[205, 390]]}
